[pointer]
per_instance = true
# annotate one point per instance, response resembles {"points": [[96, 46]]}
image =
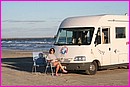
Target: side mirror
{"points": [[55, 36], [95, 42]]}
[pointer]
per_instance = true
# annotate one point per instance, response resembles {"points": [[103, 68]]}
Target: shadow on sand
{"points": [[26, 64], [21, 64]]}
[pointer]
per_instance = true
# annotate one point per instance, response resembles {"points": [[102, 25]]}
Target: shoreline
{"points": [[18, 53], [25, 38], [22, 50]]}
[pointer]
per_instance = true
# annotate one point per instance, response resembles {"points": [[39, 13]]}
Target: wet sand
{"points": [[17, 66]]}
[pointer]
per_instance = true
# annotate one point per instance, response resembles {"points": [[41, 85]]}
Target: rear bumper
{"points": [[76, 66]]}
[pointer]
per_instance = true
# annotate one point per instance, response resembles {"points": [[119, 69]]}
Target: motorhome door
{"points": [[104, 46]]}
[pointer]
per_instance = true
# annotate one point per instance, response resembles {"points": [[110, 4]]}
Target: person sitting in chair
{"points": [[41, 60], [52, 58]]}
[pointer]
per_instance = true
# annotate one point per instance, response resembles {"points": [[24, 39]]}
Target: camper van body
{"points": [[93, 42]]}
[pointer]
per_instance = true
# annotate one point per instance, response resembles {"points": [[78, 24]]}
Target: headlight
{"points": [[80, 58]]}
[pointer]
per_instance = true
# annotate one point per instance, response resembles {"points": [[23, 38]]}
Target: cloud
{"points": [[24, 21]]}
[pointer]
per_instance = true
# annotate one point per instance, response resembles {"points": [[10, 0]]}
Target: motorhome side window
{"points": [[120, 32], [75, 36], [105, 35]]}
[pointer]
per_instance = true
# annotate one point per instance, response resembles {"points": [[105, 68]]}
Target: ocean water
{"points": [[28, 44]]}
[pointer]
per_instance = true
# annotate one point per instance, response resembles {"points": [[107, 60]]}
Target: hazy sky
{"points": [[42, 19]]}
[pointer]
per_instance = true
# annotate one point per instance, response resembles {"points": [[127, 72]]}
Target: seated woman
{"points": [[55, 62]]}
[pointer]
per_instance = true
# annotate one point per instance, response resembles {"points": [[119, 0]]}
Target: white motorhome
{"points": [[93, 42]]}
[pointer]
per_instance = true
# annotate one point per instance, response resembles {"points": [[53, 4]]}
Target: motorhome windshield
{"points": [[74, 36]]}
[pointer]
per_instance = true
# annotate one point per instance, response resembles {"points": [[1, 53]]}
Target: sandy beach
{"points": [[17, 65]]}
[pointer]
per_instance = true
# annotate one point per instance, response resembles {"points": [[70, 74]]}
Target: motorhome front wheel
{"points": [[92, 69]]}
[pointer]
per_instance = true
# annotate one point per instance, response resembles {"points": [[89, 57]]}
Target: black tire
{"points": [[92, 68]]}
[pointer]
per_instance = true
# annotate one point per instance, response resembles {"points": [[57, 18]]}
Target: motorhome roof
{"points": [[90, 21]]}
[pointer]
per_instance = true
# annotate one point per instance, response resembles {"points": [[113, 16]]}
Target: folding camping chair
{"points": [[51, 67]]}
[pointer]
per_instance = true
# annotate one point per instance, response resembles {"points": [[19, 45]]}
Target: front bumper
{"points": [[76, 66]]}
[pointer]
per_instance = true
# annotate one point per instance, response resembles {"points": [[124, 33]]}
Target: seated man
{"points": [[41, 60]]}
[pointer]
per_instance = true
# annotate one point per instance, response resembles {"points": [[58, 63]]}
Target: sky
{"points": [[42, 19]]}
